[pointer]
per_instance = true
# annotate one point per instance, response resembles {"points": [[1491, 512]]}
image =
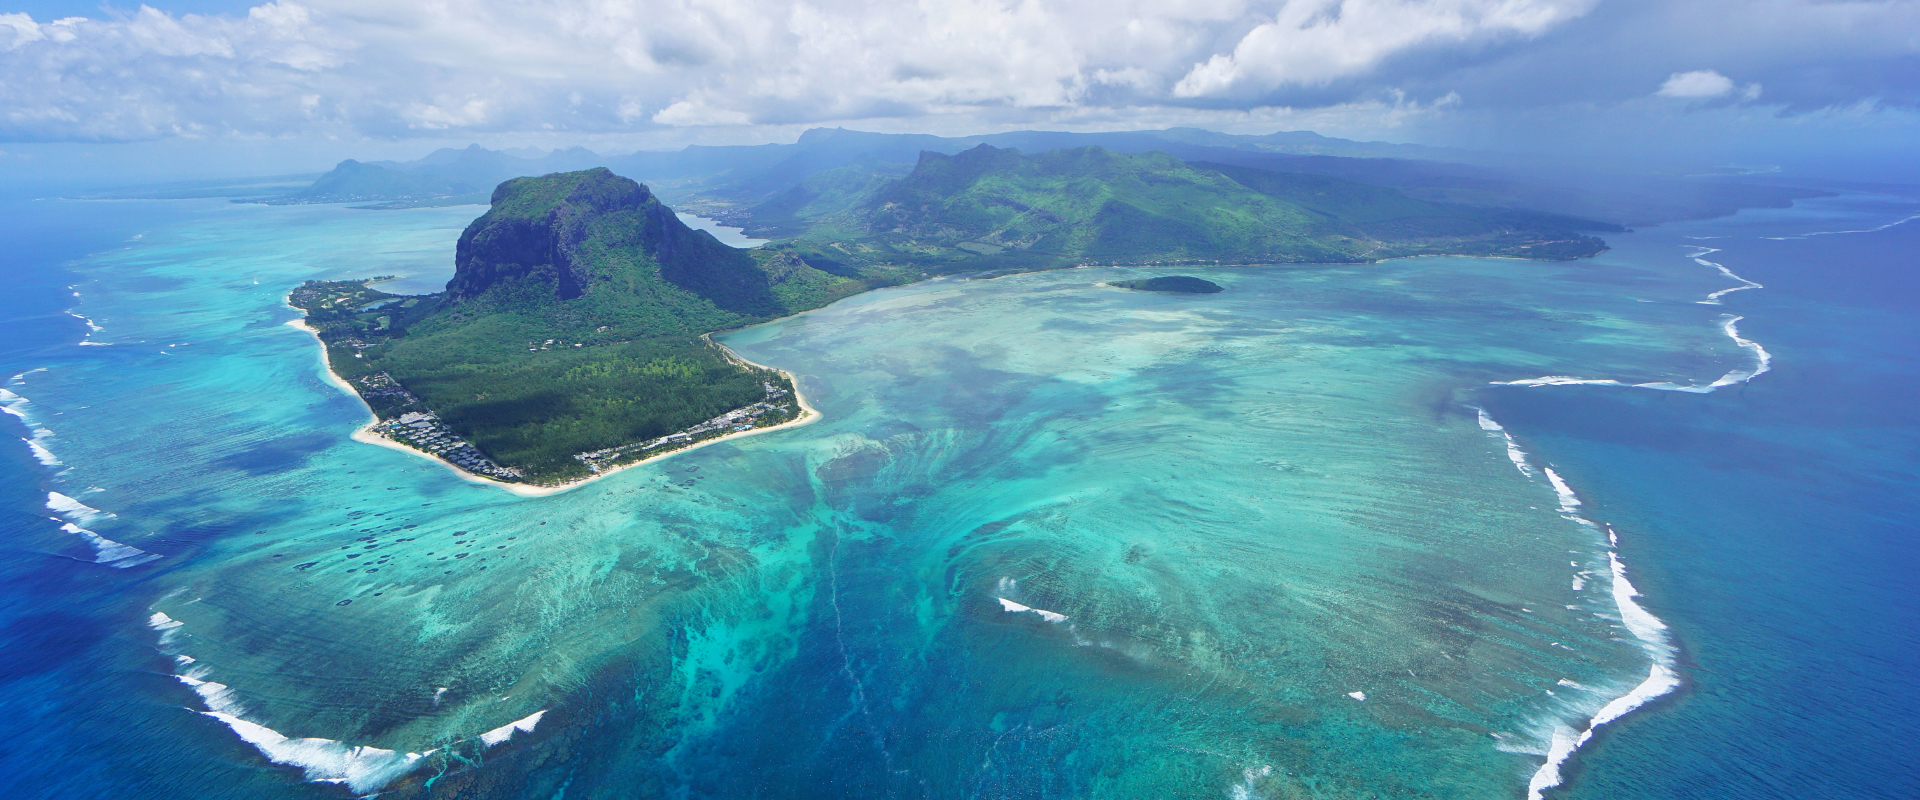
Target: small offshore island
{"points": [[573, 340], [1183, 284]]}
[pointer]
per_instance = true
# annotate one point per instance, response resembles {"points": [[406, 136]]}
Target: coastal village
{"points": [[766, 413], [426, 432]]}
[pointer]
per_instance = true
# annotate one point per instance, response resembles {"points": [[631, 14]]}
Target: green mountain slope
{"points": [[573, 324], [988, 208]]}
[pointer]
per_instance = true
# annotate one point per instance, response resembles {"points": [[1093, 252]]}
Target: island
{"points": [[1186, 284], [574, 337]]}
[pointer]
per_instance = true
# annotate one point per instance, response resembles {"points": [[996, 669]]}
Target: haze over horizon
{"points": [[208, 88]]}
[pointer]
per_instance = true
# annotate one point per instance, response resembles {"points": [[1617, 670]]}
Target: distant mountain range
{"points": [[444, 177], [728, 182], [993, 208]]}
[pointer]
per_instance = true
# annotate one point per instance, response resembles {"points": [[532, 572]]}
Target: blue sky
{"points": [[296, 83]]}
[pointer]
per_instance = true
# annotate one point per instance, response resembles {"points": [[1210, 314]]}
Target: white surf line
{"points": [[21, 407], [1514, 453], [1714, 298], [105, 551], [1875, 229], [92, 327], [1647, 628], [75, 510], [362, 768], [1015, 608], [1762, 360]]}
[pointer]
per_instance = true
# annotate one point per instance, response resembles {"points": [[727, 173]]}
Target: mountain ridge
{"points": [[989, 208]]}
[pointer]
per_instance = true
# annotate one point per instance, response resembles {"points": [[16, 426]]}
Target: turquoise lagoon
{"points": [[1049, 539]]}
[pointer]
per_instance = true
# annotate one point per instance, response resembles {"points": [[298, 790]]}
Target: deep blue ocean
{"points": [[1339, 531]]}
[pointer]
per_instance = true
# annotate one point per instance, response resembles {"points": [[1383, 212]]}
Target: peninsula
{"points": [[572, 339]]}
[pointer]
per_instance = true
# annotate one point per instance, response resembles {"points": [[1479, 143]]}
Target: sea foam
{"points": [[1875, 229], [505, 732], [1564, 740], [109, 552], [14, 404], [1762, 360], [1713, 299], [42, 453], [75, 510], [362, 768], [1514, 453], [1016, 608]]}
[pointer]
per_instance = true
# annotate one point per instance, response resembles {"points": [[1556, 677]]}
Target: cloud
{"points": [[1313, 42], [1706, 84], [1696, 84], [394, 70]]}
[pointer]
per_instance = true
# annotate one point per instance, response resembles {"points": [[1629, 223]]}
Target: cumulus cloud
{"points": [[1317, 41], [1705, 84], [456, 67], [1696, 84]]}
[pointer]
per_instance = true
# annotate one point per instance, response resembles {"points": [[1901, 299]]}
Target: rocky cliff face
{"points": [[576, 234]]}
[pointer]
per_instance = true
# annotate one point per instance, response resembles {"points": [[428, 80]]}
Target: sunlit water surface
{"points": [[1050, 539]]}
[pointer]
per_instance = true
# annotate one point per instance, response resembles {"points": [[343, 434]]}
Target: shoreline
{"points": [[366, 435], [991, 276]]}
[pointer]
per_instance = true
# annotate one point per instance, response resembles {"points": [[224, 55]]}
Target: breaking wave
{"points": [[1563, 739], [75, 510], [109, 552], [1875, 229], [1713, 299], [364, 769], [1015, 608], [1762, 360], [12, 403]]}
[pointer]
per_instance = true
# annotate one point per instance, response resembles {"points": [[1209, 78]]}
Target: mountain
{"points": [[573, 324], [576, 234], [354, 181], [718, 179], [444, 177], [726, 181], [989, 208]]}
